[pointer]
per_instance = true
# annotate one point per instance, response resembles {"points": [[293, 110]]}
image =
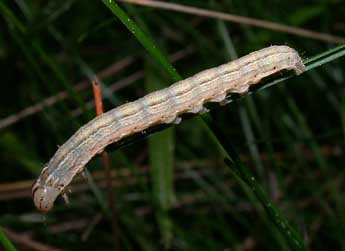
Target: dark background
{"points": [[173, 190]]}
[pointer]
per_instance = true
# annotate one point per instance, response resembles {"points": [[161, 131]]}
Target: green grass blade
{"points": [[325, 57], [155, 52], [99, 195], [161, 158], [312, 63], [143, 38], [294, 238], [7, 13], [342, 115], [243, 114], [60, 76], [6, 243], [35, 46]]}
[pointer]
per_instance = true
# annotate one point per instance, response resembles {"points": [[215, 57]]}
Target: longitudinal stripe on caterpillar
{"points": [[163, 106]]}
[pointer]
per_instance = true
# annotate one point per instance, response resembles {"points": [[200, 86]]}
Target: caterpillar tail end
{"points": [[297, 63]]}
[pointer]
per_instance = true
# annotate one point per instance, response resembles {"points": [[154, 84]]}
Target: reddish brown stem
{"points": [[106, 162]]}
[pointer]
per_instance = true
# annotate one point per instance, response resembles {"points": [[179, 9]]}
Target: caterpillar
{"points": [[159, 107]]}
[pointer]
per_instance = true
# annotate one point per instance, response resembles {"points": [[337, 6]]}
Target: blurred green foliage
{"points": [[176, 192]]}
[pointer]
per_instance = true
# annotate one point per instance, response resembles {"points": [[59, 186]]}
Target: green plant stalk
{"points": [[7, 244], [304, 128], [18, 34], [143, 38], [36, 46], [99, 195], [315, 148], [342, 114], [161, 158], [59, 75], [312, 63], [281, 222], [139, 231], [247, 181], [155, 52], [324, 57], [14, 32], [249, 134], [294, 238], [243, 113], [149, 45], [9, 14], [159, 56], [61, 78]]}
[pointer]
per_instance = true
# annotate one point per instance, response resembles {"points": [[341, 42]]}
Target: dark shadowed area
{"points": [[264, 172]]}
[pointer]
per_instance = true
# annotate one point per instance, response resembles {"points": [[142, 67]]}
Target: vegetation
{"points": [[261, 173]]}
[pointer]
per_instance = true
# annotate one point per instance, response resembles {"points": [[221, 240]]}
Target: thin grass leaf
{"points": [[6, 243], [161, 161], [159, 56], [161, 158], [60, 76], [293, 237], [342, 115], [304, 130], [312, 63], [143, 38], [152, 49], [243, 114], [325, 57], [29, 50], [99, 195], [138, 231], [83, 65], [213, 211], [14, 21]]}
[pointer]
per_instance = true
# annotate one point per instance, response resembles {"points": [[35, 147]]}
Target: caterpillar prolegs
{"points": [[159, 107]]}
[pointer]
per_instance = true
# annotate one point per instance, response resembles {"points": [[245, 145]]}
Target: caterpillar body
{"points": [[162, 106]]}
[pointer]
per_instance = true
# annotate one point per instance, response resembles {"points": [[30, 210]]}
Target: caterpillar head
{"points": [[44, 196]]}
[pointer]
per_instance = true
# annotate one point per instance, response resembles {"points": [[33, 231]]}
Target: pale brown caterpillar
{"points": [[159, 107]]}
